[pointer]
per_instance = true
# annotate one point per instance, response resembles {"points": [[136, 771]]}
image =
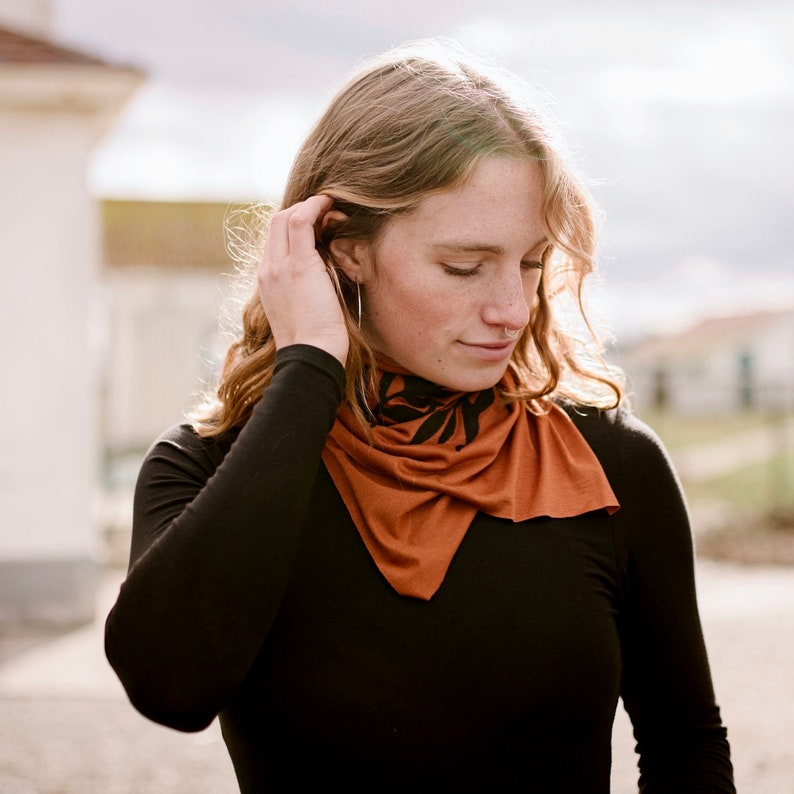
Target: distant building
{"points": [[166, 273], [722, 364], [166, 277], [55, 105]]}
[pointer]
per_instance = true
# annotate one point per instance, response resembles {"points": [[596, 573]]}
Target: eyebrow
{"points": [[473, 247]]}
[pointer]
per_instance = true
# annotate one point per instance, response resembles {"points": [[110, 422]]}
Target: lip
{"points": [[490, 351]]}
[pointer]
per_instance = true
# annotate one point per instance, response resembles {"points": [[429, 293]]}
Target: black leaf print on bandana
{"points": [[440, 408], [430, 426]]}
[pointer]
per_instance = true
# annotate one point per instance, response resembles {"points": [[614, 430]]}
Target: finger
{"points": [[303, 225], [277, 239], [277, 243]]}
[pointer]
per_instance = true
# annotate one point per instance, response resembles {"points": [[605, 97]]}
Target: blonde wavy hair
{"points": [[413, 122]]}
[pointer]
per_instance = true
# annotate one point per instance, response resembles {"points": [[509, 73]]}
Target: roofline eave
{"points": [[66, 87]]}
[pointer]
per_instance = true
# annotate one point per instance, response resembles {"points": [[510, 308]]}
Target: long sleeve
{"points": [[666, 682], [215, 530]]}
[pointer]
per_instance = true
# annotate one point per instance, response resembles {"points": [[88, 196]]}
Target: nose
{"points": [[506, 304]]}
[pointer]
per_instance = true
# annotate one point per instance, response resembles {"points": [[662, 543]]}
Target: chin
{"points": [[469, 381]]}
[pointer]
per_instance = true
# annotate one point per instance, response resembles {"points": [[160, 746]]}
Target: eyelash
{"points": [[472, 271], [461, 272]]}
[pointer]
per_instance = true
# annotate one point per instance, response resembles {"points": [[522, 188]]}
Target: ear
{"points": [[352, 256]]}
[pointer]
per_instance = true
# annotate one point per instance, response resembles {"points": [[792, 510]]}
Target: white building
{"points": [[55, 104], [722, 364], [166, 273], [166, 278]]}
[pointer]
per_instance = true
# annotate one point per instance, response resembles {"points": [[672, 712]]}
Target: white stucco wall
{"points": [[49, 265], [775, 357], [164, 348], [49, 262], [712, 380]]}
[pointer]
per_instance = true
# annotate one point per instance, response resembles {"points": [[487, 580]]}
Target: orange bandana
{"points": [[438, 457]]}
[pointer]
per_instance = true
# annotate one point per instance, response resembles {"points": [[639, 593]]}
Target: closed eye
{"points": [[538, 264], [457, 270]]}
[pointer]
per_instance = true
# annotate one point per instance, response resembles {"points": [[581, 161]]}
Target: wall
{"points": [[163, 348], [50, 121], [751, 370]]}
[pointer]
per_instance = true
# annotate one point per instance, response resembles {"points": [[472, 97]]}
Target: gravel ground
{"points": [[66, 727]]}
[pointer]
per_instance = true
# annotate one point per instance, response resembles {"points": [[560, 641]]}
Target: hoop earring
{"points": [[512, 333], [358, 296]]}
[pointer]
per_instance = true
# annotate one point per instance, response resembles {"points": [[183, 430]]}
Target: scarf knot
{"points": [[435, 413]]}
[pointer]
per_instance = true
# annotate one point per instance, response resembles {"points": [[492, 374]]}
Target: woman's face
{"points": [[443, 282]]}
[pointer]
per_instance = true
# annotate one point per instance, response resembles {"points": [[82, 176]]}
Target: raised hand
{"points": [[296, 291]]}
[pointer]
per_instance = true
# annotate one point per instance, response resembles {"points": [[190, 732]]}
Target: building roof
{"points": [[172, 235], [710, 334], [39, 75], [19, 48]]}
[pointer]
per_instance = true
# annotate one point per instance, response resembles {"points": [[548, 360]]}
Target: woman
{"points": [[412, 542]]}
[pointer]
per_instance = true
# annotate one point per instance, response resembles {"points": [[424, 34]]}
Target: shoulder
{"points": [[615, 431], [184, 438], [628, 449], [652, 526], [180, 447]]}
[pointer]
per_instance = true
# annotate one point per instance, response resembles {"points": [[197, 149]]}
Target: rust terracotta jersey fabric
{"points": [[436, 457]]}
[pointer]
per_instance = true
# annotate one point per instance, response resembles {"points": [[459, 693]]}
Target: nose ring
{"points": [[512, 333]]}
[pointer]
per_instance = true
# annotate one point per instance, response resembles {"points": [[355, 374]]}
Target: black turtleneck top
{"points": [[250, 596]]}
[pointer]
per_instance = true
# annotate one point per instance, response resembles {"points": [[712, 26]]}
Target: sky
{"points": [[681, 114]]}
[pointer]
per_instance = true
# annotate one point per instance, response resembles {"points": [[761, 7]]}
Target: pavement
{"points": [[66, 726]]}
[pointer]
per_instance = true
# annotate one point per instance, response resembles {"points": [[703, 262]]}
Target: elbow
{"points": [[157, 692], [161, 707]]}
